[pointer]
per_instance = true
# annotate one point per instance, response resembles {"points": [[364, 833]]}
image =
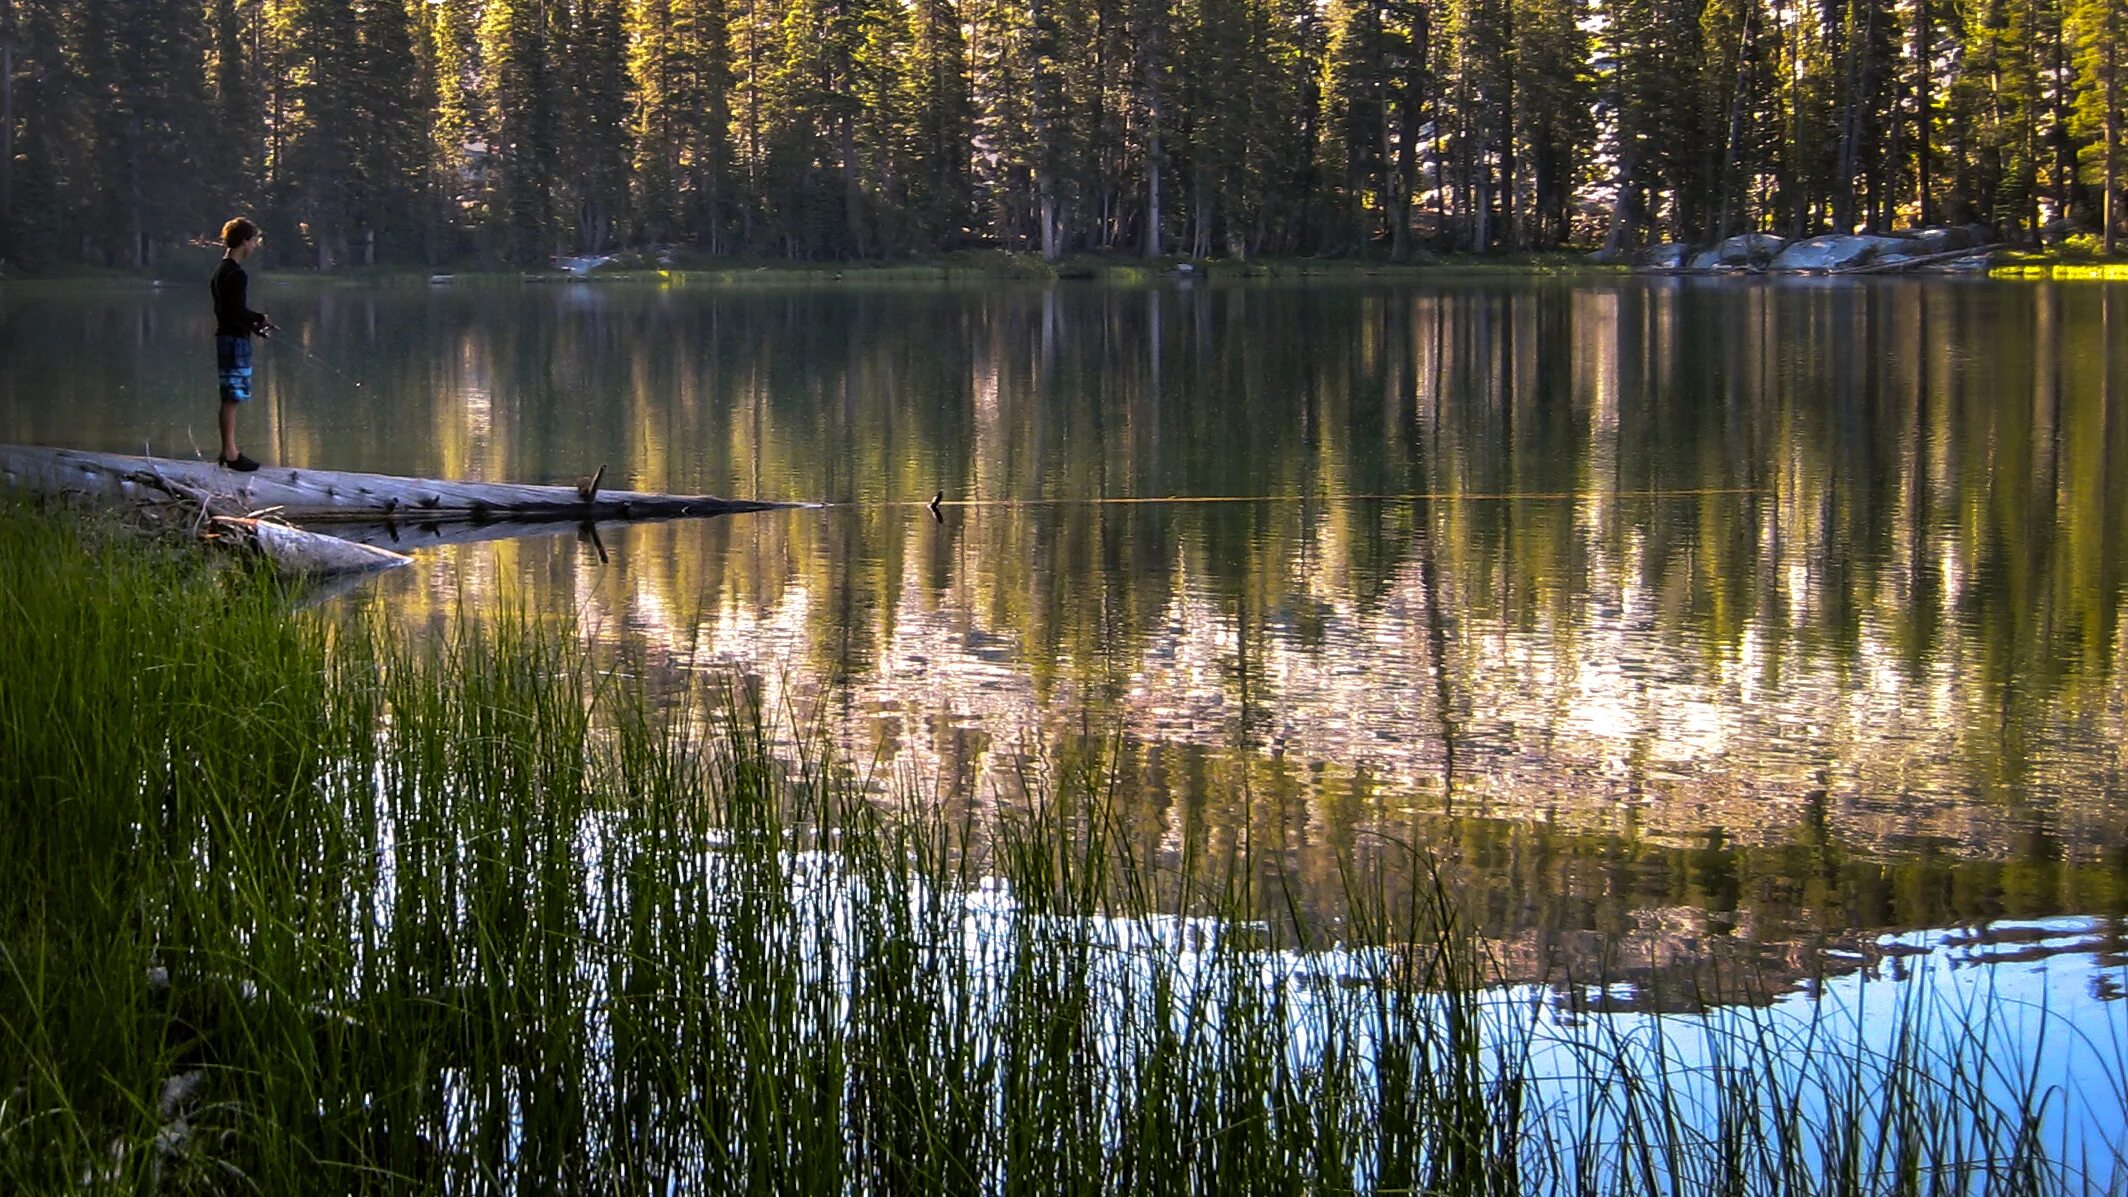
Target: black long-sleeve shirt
{"points": [[231, 317]]}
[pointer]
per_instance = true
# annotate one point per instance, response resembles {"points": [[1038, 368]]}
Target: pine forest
{"points": [[509, 132]]}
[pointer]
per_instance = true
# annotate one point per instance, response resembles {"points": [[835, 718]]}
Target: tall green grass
{"points": [[296, 905]]}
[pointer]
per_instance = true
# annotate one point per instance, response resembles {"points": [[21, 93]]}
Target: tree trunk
{"points": [[1481, 205], [1052, 247], [320, 496], [1407, 172], [1852, 84], [1624, 222], [2108, 211], [852, 196], [1510, 231], [136, 226], [7, 116], [1155, 155], [1153, 174], [1924, 108], [1733, 143], [1045, 182]]}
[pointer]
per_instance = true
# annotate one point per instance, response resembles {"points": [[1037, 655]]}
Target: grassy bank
{"points": [[297, 905]]}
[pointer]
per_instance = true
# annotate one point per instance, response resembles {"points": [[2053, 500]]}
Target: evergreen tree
{"points": [[2099, 29], [392, 111], [1996, 106], [458, 139], [236, 138], [1151, 37], [941, 124], [1001, 69], [48, 116], [680, 69], [1356, 99], [516, 44], [320, 183], [139, 66], [388, 129], [10, 47], [596, 149], [1552, 113]]}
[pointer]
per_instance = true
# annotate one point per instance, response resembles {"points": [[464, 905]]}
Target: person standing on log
{"points": [[234, 324]]}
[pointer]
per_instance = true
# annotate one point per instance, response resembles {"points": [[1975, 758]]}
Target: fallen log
{"points": [[298, 552], [312, 496], [405, 535]]}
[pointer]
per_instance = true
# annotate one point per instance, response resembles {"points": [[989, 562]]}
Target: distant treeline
{"points": [[508, 131]]}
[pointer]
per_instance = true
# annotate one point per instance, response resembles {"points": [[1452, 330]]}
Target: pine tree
{"points": [[320, 182], [680, 73], [941, 124], [10, 36], [1995, 99], [49, 116], [595, 143], [237, 138], [516, 45], [1001, 72], [139, 64], [1552, 114], [1355, 91], [1633, 90], [1862, 183], [2099, 29], [1151, 38], [392, 111]]}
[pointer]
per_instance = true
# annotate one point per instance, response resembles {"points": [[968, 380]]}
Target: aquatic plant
{"points": [[300, 903]]}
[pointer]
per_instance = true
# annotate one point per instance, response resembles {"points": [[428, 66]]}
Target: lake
{"points": [[1689, 625]]}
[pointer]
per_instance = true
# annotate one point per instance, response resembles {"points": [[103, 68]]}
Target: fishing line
{"points": [[315, 360], [1362, 497]]}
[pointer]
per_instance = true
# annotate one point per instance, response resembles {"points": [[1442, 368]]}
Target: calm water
{"points": [[1719, 618]]}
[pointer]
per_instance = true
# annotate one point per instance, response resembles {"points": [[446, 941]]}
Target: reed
{"points": [[302, 904]]}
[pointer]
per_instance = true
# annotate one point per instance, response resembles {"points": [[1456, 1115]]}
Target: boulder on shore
{"points": [[2060, 229], [1670, 255], [1744, 249], [1837, 251], [1752, 249], [1944, 240]]}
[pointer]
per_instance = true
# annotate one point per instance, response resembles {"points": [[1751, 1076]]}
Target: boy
{"points": [[233, 325]]}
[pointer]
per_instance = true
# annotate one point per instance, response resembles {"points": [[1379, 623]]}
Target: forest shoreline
{"points": [[994, 266], [997, 267]]}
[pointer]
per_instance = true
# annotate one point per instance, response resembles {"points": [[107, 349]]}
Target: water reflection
{"points": [[1796, 607]]}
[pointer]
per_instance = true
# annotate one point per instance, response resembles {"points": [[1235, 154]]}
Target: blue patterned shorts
{"points": [[232, 360]]}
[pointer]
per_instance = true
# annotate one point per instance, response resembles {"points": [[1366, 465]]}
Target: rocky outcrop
{"points": [[1944, 240], [1931, 248], [1744, 249], [1836, 251], [1671, 255], [2060, 229]]}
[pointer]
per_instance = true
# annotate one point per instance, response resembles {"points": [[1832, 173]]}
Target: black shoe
{"points": [[240, 463]]}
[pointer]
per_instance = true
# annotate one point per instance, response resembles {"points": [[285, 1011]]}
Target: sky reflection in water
{"points": [[1753, 619]]}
